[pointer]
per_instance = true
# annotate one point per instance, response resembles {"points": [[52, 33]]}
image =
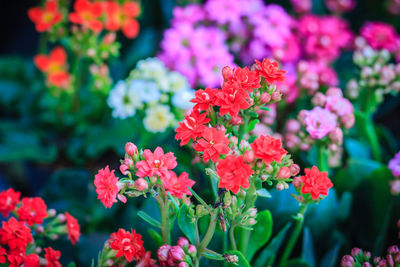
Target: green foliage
{"points": [[261, 233], [186, 224]]}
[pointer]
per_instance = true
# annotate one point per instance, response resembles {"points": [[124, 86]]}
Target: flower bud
{"points": [[51, 212], [192, 250], [54, 237], [292, 126], [393, 249], [61, 217], [252, 212], [182, 242], [297, 182], [276, 96], [221, 222], [130, 149], [128, 162], [265, 98], [249, 156], [153, 179], [227, 200], [38, 250], [122, 198], [347, 261], [176, 253], [162, 253], [237, 120], [294, 169], [141, 184], [227, 72], [91, 52], [109, 38], [302, 115], [183, 264], [39, 229], [220, 127], [319, 99], [355, 252], [244, 145], [231, 258], [283, 173], [251, 222], [348, 120], [334, 91], [366, 264], [336, 135], [233, 140], [280, 187], [389, 260], [300, 198], [124, 169]]}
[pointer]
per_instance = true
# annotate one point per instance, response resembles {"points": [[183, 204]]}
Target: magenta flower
{"points": [[394, 165], [319, 122], [380, 35]]}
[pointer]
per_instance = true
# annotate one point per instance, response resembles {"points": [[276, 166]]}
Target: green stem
{"points": [[243, 128], [208, 236], [322, 158], [251, 198], [369, 130], [293, 238], [232, 237], [165, 227]]}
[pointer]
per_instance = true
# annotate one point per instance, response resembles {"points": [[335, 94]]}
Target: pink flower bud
{"points": [[227, 72], [162, 253], [130, 149], [348, 120], [333, 91], [355, 252], [233, 140], [292, 126], [300, 198], [336, 136], [51, 212], [141, 184], [347, 261], [128, 162], [238, 120], [124, 169], [109, 38], [183, 264], [252, 212], [265, 98], [366, 264], [389, 260], [61, 217], [297, 182], [249, 156], [283, 173], [269, 168], [192, 250], [294, 169], [122, 198], [393, 249], [38, 250], [280, 187], [251, 222], [182, 242], [176, 253], [91, 52], [302, 115], [39, 229], [276, 96], [319, 99], [54, 237]]}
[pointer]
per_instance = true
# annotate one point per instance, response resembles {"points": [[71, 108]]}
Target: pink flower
{"points": [[156, 163], [106, 186], [178, 186], [319, 122], [394, 165], [339, 105], [380, 35]]}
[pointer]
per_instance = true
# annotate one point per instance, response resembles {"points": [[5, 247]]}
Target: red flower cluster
{"points": [[178, 186], [127, 244], [47, 17], [315, 183], [270, 71], [106, 186], [52, 256], [213, 144], [74, 229], [234, 173], [192, 127], [268, 149], [8, 201], [33, 210], [117, 16], [55, 67]]}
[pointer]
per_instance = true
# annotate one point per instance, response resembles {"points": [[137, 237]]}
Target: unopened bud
{"points": [[249, 156], [227, 72], [231, 258], [276, 96], [124, 169], [348, 120], [280, 187], [122, 198], [347, 261], [141, 184], [109, 38], [182, 242], [176, 253], [336, 135], [51, 212], [128, 162], [355, 252], [252, 212], [183, 264], [38, 250], [297, 182], [333, 91], [284, 173], [265, 98], [319, 99], [292, 126], [61, 217], [130, 149], [251, 222], [237, 120], [162, 253], [91, 52], [192, 250], [294, 169], [39, 229]]}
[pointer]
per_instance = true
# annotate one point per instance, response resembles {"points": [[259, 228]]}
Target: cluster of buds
{"points": [[377, 74], [394, 166], [31, 221], [181, 255], [359, 257]]}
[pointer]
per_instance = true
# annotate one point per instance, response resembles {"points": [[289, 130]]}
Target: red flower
{"points": [[122, 16], [128, 244], [316, 183], [192, 127], [106, 186], [156, 163], [18, 258], [52, 256], [45, 18], [3, 254], [213, 144], [8, 201], [247, 79], [234, 173], [87, 14], [178, 186], [31, 260], [54, 65], [268, 149], [232, 98], [204, 98], [33, 210], [15, 234], [270, 71], [74, 230]]}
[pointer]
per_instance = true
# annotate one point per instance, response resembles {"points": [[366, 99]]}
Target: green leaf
{"points": [[268, 254], [330, 258], [308, 248], [149, 219], [261, 233], [242, 260], [356, 149], [345, 204], [263, 193], [252, 113], [71, 264], [212, 256], [186, 224], [265, 108], [155, 236], [297, 263], [252, 125]]}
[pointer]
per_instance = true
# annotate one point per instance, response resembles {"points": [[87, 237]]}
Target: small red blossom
{"points": [[204, 98], [15, 234], [192, 127], [315, 183], [156, 163], [45, 18], [8, 201], [122, 16], [178, 186], [234, 173], [213, 144], [247, 79], [147, 261], [127, 244], [87, 14], [3, 254], [17, 259], [270, 71], [52, 256], [73, 228], [106, 186], [33, 210], [268, 149], [54, 66], [232, 98]]}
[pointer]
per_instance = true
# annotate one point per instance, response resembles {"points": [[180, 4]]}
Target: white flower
{"points": [[182, 99], [124, 102], [146, 90], [158, 118], [177, 82], [151, 68]]}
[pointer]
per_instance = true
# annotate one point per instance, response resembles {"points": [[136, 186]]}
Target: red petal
{"points": [[41, 62], [130, 28]]}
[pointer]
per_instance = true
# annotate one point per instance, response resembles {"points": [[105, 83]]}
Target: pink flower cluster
{"points": [[362, 258], [315, 74], [179, 255]]}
